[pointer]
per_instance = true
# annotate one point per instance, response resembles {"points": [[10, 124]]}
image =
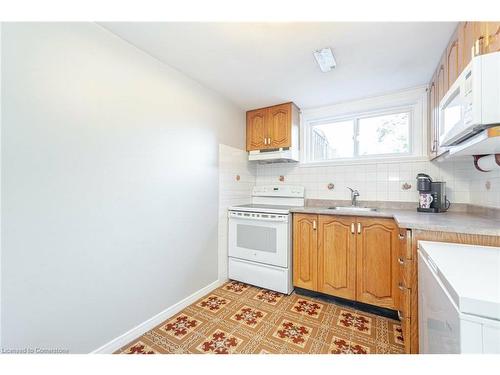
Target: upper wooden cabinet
{"points": [[491, 31], [468, 33], [437, 89], [453, 61], [337, 256], [441, 78], [305, 251], [272, 127], [350, 257], [433, 141], [256, 129], [469, 38], [377, 252], [280, 125]]}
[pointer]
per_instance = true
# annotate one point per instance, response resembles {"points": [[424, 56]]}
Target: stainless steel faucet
{"points": [[354, 195]]}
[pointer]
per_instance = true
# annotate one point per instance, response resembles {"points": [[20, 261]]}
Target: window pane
{"points": [[387, 134], [333, 140]]}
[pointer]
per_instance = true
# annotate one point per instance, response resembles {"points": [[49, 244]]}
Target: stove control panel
{"points": [[286, 191]]}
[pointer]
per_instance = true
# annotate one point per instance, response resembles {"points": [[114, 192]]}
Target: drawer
{"points": [[263, 275], [405, 244], [404, 302], [405, 272]]}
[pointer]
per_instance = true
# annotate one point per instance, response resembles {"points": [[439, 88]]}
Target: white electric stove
{"points": [[260, 251]]}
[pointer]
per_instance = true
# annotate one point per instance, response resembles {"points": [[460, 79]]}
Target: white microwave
{"points": [[472, 103]]}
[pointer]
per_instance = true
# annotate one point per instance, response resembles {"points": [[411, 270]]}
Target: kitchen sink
{"points": [[352, 209]]}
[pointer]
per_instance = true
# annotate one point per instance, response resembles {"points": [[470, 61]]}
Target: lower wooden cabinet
{"points": [[337, 256], [377, 251], [305, 251], [350, 257]]}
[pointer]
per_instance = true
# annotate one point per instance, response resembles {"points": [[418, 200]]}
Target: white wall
{"points": [[109, 185], [233, 162]]}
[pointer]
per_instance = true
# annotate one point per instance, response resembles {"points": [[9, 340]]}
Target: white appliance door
{"points": [[455, 111], [439, 319], [259, 237]]}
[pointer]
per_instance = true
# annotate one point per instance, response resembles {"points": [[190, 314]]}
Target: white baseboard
{"points": [[142, 328]]}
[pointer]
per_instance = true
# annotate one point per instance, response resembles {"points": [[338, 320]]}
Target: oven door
{"points": [[260, 237]]}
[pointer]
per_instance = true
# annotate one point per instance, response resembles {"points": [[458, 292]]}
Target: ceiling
{"points": [[260, 64]]}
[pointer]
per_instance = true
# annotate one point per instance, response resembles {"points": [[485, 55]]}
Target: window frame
{"points": [[412, 101]]}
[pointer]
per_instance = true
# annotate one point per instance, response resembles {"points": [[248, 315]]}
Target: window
{"points": [[381, 134]]}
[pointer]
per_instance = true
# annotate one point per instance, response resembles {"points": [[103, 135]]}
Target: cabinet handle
{"points": [[401, 236], [400, 316], [269, 140], [314, 224], [352, 228], [401, 286], [265, 141], [434, 145], [359, 228], [478, 47], [401, 261]]}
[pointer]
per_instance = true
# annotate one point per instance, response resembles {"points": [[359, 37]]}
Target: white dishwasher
{"points": [[458, 298]]}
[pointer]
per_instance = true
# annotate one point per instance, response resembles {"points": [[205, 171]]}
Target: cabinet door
{"points": [[305, 251], [466, 37], [377, 262], [256, 129], [441, 89], [432, 120], [280, 125], [453, 62], [492, 33], [337, 256], [441, 79]]}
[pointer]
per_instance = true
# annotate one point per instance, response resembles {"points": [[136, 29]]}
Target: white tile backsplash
{"points": [[378, 181], [232, 162], [485, 188]]}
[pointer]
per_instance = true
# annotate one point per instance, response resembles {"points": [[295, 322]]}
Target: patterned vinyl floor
{"points": [[238, 318]]}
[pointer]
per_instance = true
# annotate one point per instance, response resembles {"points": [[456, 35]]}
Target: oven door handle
{"points": [[236, 215]]}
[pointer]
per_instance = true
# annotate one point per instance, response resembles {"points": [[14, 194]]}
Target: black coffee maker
{"points": [[432, 194]]}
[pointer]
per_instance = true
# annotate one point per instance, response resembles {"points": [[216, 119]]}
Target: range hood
{"points": [[280, 155]]}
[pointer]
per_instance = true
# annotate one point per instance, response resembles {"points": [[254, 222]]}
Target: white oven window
{"points": [[256, 237]]}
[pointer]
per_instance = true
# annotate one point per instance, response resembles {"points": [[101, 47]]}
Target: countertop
{"points": [[456, 222]]}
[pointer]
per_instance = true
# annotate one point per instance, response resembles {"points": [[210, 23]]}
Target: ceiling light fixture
{"points": [[325, 59]]}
